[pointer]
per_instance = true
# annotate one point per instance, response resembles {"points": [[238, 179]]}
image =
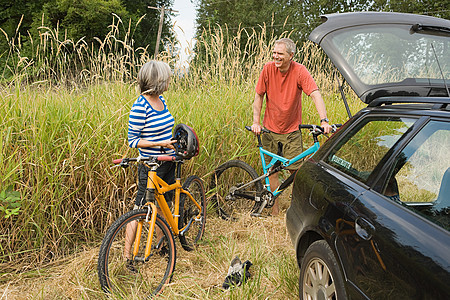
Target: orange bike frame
{"points": [[161, 187]]}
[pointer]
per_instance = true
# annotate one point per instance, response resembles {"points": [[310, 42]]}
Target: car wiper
{"points": [[430, 29]]}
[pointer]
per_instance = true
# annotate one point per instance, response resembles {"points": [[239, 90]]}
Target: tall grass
{"points": [[64, 118], [51, 57]]}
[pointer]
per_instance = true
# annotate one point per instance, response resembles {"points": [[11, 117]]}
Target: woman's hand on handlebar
{"points": [[165, 144]]}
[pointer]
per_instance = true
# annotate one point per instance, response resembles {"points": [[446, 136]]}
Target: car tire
{"points": [[320, 275]]}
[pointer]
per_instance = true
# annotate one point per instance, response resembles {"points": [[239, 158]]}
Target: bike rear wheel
{"points": [[142, 276], [189, 211], [229, 197]]}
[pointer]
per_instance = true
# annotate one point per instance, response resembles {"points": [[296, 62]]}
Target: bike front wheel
{"points": [[231, 194], [190, 214], [122, 275]]}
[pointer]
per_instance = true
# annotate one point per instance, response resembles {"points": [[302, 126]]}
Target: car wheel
{"points": [[320, 275]]}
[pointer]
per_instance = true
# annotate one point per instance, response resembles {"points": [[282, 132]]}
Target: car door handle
{"points": [[364, 228]]}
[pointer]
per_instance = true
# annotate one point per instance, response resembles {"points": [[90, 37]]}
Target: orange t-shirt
{"points": [[284, 95]]}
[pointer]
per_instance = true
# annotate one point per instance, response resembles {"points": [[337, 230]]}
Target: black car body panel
{"points": [[407, 256], [385, 249]]}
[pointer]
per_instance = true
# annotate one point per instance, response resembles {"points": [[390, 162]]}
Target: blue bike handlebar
{"points": [[302, 126]]}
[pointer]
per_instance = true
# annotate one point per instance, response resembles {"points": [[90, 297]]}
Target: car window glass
{"points": [[380, 54], [367, 144], [422, 173]]}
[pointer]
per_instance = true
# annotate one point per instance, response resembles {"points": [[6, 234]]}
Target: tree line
{"points": [[86, 20], [299, 17], [22, 21]]}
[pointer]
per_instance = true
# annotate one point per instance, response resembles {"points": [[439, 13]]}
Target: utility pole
{"points": [[161, 20]]}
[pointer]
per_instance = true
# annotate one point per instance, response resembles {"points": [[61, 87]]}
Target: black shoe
{"points": [[163, 251], [130, 266], [238, 273]]}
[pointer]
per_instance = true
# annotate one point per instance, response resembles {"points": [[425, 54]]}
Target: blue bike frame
{"points": [[284, 162]]}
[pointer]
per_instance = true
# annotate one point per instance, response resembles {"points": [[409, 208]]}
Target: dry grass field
{"points": [[198, 274]]}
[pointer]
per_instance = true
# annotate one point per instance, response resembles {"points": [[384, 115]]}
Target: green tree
{"points": [[81, 18], [14, 11], [298, 18], [295, 17], [250, 14], [86, 18], [91, 18], [436, 8], [16, 17], [147, 20]]}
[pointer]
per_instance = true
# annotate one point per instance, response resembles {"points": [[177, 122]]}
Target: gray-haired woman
{"points": [[150, 130]]}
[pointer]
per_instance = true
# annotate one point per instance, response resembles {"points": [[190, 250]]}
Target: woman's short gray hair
{"points": [[153, 78], [290, 45]]}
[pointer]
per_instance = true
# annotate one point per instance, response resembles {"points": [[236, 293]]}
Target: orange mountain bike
{"points": [[138, 253]]}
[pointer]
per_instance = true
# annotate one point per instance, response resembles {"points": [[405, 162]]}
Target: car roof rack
{"points": [[440, 102]]}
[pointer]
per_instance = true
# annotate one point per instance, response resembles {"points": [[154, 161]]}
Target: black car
{"points": [[369, 217]]}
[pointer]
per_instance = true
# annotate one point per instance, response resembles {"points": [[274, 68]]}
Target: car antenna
{"points": [[343, 95], [442, 74]]}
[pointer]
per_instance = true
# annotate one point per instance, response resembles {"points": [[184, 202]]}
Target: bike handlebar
{"points": [[334, 127], [117, 161], [315, 128], [151, 159], [249, 128]]}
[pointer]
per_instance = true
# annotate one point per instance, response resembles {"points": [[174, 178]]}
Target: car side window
{"points": [[361, 151], [422, 173]]}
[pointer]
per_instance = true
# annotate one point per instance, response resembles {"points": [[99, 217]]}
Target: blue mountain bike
{"points": [[237, 187]]}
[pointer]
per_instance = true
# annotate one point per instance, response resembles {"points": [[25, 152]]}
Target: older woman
{"points": [[150, 130], [150, 124]]}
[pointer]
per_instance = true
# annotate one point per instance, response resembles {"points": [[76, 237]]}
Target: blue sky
{"points": [[185, 25]]}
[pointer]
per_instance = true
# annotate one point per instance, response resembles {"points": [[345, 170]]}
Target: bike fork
{"points": [[153, 211]]}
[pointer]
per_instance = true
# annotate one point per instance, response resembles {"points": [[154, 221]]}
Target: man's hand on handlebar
{"points": [[316, 129], [326, 127], [256, 128]]}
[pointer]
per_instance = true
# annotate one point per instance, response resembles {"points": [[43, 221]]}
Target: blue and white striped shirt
{"points": [[151, 125]]}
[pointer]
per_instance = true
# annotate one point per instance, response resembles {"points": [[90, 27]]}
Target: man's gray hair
{"points": [[290, 45], [153, 78]]}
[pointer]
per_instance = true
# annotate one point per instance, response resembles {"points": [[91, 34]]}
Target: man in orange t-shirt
{"points": [[283, 81]]}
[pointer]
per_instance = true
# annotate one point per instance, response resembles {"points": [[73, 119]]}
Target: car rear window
{"points": [[385, 54], [363, 148]]}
